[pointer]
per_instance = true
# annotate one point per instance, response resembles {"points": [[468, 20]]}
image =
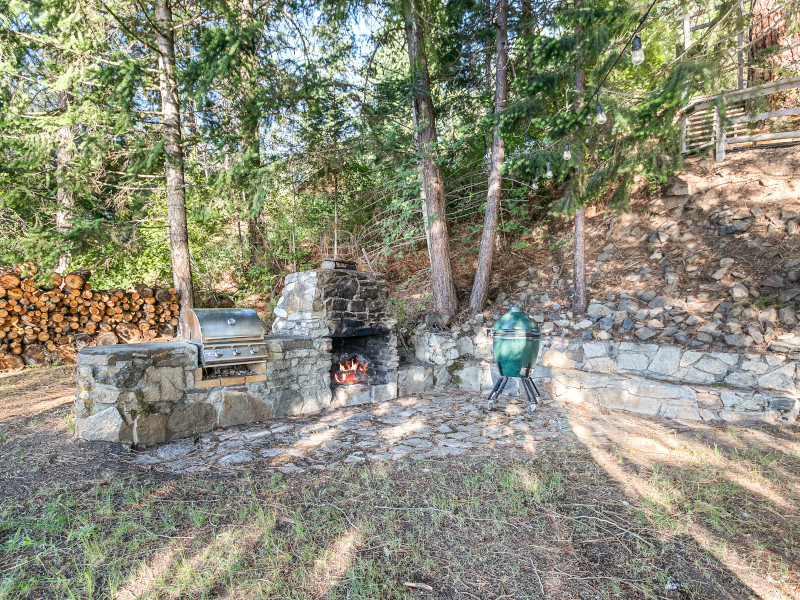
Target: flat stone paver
{"points": [[430, 426]]}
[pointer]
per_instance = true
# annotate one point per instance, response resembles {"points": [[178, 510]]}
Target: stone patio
{"points": [[429, 426]]}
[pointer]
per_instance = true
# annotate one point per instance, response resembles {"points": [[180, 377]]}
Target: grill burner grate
{"points": [[231, 371]]}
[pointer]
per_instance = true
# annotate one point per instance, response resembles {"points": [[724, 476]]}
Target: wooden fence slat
{"points": [[767, 115], [764, 137]]}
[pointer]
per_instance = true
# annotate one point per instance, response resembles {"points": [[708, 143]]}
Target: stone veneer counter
{"points": [[147, 393]]}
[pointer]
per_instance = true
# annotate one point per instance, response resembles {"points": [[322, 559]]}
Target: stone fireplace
{"points": [[352, 309], [146, 394]]}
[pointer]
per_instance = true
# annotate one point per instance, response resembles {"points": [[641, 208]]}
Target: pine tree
{"points": [[480, 287], [426, 138], [581, 48], [171, 127]]}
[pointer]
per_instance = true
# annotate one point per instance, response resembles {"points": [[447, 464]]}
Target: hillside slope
{"points": [[713, 259]]}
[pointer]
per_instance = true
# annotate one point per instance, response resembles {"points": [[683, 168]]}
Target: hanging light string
{"points": [[635, 33], [595, 96]]}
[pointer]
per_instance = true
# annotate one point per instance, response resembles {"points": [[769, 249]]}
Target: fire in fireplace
{"points": [[350, 371]]}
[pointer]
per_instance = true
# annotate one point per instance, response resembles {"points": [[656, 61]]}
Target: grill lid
{"points": [[217, 325], [515, 324]]}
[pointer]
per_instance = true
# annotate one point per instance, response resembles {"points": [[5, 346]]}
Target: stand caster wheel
{"points": [[531, 408], [490, 406]]}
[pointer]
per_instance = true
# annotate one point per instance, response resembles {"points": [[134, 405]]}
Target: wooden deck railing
{"points": [[703, 125]]}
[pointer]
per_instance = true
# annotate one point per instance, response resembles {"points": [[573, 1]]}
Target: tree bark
{"points": [[768, 29], [579, 260], [171, 126], [480, 286], [249, 117], [335, 216], [444, 291], [64, 195]]}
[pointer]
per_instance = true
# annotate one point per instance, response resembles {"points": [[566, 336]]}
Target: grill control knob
{"points": [[231, 321], [218, 352], [236, 352], [253, 350]]}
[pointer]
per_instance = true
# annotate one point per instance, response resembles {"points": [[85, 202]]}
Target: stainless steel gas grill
{"points": [[231, 344]]}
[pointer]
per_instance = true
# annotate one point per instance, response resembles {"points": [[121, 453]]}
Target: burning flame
{"points": [[351, 371]]}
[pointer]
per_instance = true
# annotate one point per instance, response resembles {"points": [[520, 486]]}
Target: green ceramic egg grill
{"points": [[516, 347]]}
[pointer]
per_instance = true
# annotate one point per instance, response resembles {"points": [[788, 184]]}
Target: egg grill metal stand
{"points": [[527, 383]]}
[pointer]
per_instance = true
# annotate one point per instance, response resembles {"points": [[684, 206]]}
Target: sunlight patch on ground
{"points": [[736, 564], [694, 464], [397, 432], [334, 561]]}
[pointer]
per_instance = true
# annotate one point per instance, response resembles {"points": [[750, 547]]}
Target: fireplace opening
{"points": [[364, 359], [350, 371]]}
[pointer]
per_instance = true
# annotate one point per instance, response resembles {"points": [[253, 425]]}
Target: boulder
{"points": [[105, 426], [739, 292], [242, 457], [149, 429], [789, 295], [645, 333], [768, 315], [738, 340], [239, 408], [677, 187], [190, 419], [598, 310], [787, 316], [773, 281]]}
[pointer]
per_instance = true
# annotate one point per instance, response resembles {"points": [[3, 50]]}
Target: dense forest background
{"points": [[302, 128]]}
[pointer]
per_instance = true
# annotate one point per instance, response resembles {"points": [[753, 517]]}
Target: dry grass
{"points": [[630, 508]]}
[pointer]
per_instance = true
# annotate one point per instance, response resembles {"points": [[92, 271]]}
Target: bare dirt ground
{"points": [[36, 426], [614, 506]]}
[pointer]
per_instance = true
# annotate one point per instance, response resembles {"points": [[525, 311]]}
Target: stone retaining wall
{"points": [[147, 393], [652, 379]]}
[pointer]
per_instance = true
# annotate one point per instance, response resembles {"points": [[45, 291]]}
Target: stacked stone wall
{"points": [[328, 302], [652, 379]]}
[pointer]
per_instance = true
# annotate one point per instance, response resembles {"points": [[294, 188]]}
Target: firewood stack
{"points": [[40, 324]]}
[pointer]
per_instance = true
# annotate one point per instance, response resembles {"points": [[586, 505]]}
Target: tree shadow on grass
{"points": [[632, 508], [37, 446], [725, 488]]}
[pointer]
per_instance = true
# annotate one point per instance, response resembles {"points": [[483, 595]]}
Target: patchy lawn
{"points": [[625, 508]]}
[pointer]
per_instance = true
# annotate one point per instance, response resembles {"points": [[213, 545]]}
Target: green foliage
{"points": [[297, 127], [641, 103]]}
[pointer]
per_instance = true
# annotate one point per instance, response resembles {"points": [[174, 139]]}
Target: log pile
{"points": [[53, 321]]}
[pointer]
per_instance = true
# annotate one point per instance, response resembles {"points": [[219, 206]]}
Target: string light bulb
{"points": [[637, 54], [549, 173], [601, 114], [534, 185], [567, 153]]}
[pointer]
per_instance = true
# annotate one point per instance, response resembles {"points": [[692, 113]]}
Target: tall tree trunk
{"points": [[335, 215], [64, 194], [249, 116], [579, 259], [480, 287], [768, 29], [444, 291], [176, 190]]}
